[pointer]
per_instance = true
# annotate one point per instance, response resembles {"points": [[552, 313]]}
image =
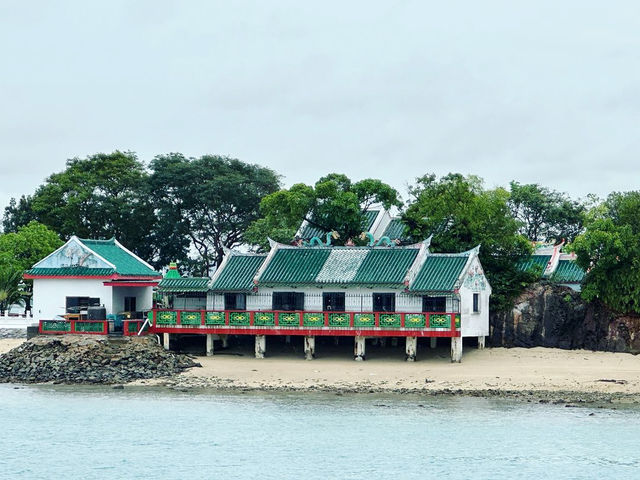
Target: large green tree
{"points": [[609, 250], [544, 214], [204, 205], [334, 203], [31, 243], [461, 214], [9, 288], [17, 214]]}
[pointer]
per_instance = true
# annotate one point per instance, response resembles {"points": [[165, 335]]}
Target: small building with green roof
{"points": [[185, 293], [86, 273]]}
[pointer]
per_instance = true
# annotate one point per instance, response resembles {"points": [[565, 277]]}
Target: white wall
{"points": [[474, 324], [144, 298], [49, 294]]}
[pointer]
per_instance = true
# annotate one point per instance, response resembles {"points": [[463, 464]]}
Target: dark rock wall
{"points": [[555, 316]]}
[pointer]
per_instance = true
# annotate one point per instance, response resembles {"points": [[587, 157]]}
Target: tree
{"points": [[460, 215], [609, 251], [17, 214], [9, 288], [544, 214], [204, 205], [101, 196], [31, 243], [334, 203]]}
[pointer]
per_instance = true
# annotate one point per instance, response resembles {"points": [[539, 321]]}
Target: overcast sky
{"points": [[547, 92]]}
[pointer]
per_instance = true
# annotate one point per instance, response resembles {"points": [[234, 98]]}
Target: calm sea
{"points": [[63, 432]]}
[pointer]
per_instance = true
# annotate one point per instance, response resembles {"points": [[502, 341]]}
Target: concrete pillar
{"points": [[225, 341], [209, 345], [165, 340], [358, 349], [434, 342], [481, 342], [261, 345], [394, 341], [411, 349], [309, 347], [456, 349]]}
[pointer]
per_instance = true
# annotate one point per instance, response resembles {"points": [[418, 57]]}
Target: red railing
{"points": [[73, 327], [308, 323]]}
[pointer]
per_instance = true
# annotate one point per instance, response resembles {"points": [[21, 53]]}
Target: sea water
{"points": [[63, 432]]}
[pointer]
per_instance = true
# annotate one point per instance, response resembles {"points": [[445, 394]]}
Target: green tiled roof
{"points": [[394, 230], [439, 273], [238, 272], [186, 284], [535, 260], [71, 272], [126, 263], [339, 265], [568, 272], [295, 266], [310, 231]]}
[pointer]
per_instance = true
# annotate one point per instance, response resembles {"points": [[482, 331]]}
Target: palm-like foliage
{"points": [[9, 288]]}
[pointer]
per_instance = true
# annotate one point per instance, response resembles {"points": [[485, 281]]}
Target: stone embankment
{"points": [[16, 333], [83, 359], [554, 316]]}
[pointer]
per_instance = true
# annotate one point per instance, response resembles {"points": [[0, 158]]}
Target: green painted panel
{"points": [[53, 326], [133, 327], [239, 318], [190, 318], [214, 318], [390, 320], [90, 327], [339, 320], [414, 320], [439, 321], [289, 319], [264, 319], [364, 320], [457, 321], [166, 318], [313, 320]]}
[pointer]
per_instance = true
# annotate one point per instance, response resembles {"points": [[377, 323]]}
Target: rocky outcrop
{"points": [[84, 359], [548, 315]]}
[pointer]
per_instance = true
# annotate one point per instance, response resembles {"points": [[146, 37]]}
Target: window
{"points": [[476, 302], [76, 304], [288, 301], [434, 304], [235, 301], [384, 302], [333, 301], [129, 304]]}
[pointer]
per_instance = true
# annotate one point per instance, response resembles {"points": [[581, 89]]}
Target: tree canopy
{"points": [[31, 243], [205, 204], [334, 203], [461, 214]]}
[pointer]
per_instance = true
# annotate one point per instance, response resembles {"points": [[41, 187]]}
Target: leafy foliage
{"points": [[205, 204], [609, 250], [9, 288], [545, 215], [460, 215], [334, 203], [31, 243], [17, 214]]}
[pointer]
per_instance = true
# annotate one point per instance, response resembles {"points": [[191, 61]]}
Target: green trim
{"points": [[290, 319], [414, 320], [339, 320], [88, 326], [313, 320], [214, 318], [439, 321], [239, 319], [56, 326], [264, 319], [132, 327], [71, 272], [190, 318], [167, 318]]}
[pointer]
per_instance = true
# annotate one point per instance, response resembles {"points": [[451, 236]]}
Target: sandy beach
{"points": [[578, 374]]}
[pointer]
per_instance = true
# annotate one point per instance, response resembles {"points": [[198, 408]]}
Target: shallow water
{"points": [[99, 432]]}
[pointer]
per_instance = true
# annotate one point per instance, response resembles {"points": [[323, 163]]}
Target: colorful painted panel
{"points": [[339, 320], [190, 318], [390, 320], [457, 321], [367, 320], [214, 318], [166, 318], [313, 320], [239, 318], [439, 321], [264, 319], [414, 320], [133, 327], [289, 319], [93, 327], [53, 326]]}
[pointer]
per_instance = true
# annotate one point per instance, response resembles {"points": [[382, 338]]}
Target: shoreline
{"points": [[540, 375]]}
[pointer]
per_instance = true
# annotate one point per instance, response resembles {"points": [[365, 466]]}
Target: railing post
{"points": [[202, 317], [251, 318], [401, 320], [377, 319], [452, 318], [73, 326], [178, 317]]}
